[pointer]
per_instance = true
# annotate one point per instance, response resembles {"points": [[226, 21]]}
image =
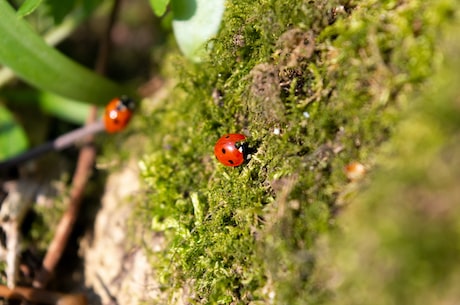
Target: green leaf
{"points": [[159, 6], [13, 139], [34, 61], [90, 5], [28, 7], [59, 9], [195, 23], [63, 108]]}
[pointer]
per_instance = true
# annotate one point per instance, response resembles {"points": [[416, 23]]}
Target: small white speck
{"points": [[277, 131], [340, 8], [142, 166], [306, 114]]}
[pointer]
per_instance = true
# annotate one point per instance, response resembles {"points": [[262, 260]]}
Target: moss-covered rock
{"points": [[314, 85]]}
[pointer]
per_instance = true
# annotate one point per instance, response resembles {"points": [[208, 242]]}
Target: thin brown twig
{"points": [[42, 296], [85, 162], [64, 229], [106, 42]]}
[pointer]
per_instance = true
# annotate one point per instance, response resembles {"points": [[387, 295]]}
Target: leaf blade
{"points": [[34, 61], [195, 23], [159, 6], [13, 139], [28, 7]]}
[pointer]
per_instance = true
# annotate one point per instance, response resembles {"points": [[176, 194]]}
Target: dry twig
{"points": [[85, 163], [42, 296]]}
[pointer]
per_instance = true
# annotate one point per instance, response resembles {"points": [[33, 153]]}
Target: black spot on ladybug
{"points": [[224, 151], [231, 162]]}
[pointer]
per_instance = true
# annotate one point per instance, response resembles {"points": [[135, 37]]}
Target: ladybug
{"points": [[230, 149], [118, 114]]}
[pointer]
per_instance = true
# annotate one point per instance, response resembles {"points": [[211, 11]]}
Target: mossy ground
{"points": [[399, 242], [335, 77]]}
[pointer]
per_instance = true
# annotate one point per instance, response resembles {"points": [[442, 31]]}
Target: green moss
{"points": [[400, 241], [333, 77]]}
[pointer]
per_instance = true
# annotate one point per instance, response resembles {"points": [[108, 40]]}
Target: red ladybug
{"points": [[229, 149], [118, 114]]}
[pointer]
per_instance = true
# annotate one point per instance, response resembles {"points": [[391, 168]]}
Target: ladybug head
{"points": [[127, 102]]}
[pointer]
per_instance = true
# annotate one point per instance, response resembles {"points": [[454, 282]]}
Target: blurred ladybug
{"points": [[118, 114], [230, 149]]}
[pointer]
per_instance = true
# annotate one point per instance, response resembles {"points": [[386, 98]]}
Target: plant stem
{"points": [[59, 143]]}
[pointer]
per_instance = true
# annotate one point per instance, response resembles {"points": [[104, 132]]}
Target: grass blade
{"points": [[27, 54]]}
